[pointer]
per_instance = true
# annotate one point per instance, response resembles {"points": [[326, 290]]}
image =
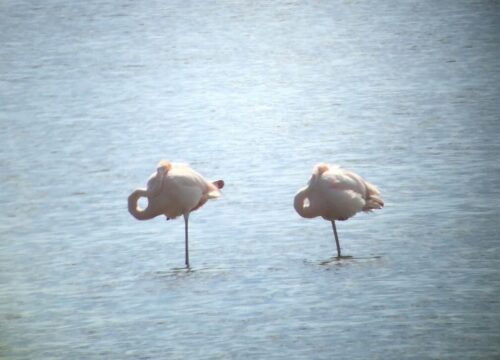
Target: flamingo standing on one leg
{"points": [[336, 194], [175, 189]]}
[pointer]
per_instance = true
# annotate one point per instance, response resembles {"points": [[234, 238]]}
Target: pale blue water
{"points": [[93, 94]]}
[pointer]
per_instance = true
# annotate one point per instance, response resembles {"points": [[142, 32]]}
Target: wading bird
{"points": [[336, 194], [175, 189]]}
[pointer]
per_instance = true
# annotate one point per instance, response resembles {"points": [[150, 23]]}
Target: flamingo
{"points": [[336, 194], [173, 190]]}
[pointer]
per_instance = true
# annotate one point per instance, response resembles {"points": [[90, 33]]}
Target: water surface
{"points": [[94, 94]]}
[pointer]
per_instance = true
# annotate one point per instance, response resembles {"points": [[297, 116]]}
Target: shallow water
{"points": [[95, 94]]}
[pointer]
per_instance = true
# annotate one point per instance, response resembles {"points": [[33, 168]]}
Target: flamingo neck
{"points": [[298, 204], [135, 210]]}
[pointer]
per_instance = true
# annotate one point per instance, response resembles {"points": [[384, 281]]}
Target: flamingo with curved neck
{"points": [[336, 194], [174, 190]]}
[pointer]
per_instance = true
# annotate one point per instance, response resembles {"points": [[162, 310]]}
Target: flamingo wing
{"points": [[341, 194]]}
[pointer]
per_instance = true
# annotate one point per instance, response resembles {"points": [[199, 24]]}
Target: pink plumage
{"points": [[173, 190], [336, 194]]}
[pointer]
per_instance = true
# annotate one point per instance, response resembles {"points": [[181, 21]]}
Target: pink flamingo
{"points": [[175, 189], [336, 194]]}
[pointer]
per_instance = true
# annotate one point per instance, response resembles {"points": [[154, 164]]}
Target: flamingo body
{"points": [[173, 190], [336, 194]]}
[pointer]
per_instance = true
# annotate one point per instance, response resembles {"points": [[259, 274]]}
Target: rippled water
{"points": [[95, 93]]}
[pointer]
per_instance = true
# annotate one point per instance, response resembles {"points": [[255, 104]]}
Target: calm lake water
{"points": [[95, 93]]}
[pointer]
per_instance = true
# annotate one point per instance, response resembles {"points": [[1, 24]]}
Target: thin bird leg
{"points": [[336, 238], [186, 219]]}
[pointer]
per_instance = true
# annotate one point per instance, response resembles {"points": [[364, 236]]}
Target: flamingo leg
{"points": [[186, 244], [336, 238]]}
